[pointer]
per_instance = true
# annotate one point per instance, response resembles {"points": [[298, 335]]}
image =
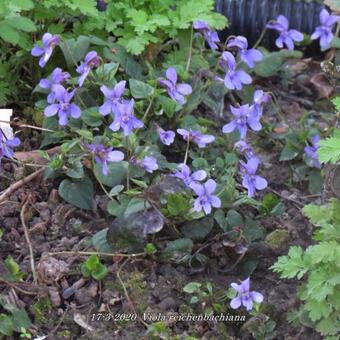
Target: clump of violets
{"points": [[210, 36], [260, 98], [205, 199], [311, 152], [125, 119], [104, 155], [324, 31], [166, 137], [184, 174], [249, 56], [52, 83], [244, 117], [287, 36], [63, 106], [148, 163], [196, 136], [233, 78], [45, 51], [7, 145], [91, 61], [112, 98], [245, 297], [177, 92], [251, 181]]}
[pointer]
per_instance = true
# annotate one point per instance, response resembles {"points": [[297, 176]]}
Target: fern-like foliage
{"points": [[320, 265], [329, 150]]}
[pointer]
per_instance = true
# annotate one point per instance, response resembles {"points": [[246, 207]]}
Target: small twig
{"points": [[28, 240], [54, 330], [127, 294], [19, 184], [26, 126], [148, 108], [286, 198], [86, 253], [16, 287]]}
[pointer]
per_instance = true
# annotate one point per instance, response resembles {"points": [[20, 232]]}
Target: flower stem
{"points": [[258, 42], [148, 108], [190, 50], [186, 151]]}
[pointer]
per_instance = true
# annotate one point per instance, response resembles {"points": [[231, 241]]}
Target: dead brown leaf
{"points": [[322, 85]]}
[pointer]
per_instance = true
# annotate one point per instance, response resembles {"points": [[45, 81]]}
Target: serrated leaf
{"points": [[329, 150]]}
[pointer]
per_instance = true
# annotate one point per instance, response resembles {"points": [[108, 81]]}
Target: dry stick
{"points": [[86, 253], [19, 184], [127, 294], [27, 236], [26, 126], [14, 286]]}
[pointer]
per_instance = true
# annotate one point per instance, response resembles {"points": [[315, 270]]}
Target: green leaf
{"points": [[288, 153], [6, 325], [329, 150], [92, 117], [8, 33], [21, 23], [94, 268], [116, 174], [74, 50], [192, 287], [272, 62], [13, 270], [336, 101], [198, 229], [78, 192], [99, 241], [140, 89], [177, 204]]}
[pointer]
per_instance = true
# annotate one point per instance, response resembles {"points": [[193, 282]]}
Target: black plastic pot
{"points": [[249, 17]]}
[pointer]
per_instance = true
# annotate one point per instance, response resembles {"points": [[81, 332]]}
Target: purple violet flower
{"points": [[125, 119], [210, 36], [324, 31], [91, 61], [184, 174], [260, 98], [244, 117], [244, 296], [249, 56], [149, 164], [166, 137], [245, 148], [251, 181], [233, 78], [286, 36], [176, 91], [7, 145], [112, 98], [104, 155], [57, 77], [205, 198], [197, 137], [49, 42], [312, 154], [64, 108]]}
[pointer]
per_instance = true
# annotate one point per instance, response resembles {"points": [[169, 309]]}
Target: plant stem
{"points": [[258, 42], [26, 126], [190, 50], [100, 183], [186, 151], [148, 108]]}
